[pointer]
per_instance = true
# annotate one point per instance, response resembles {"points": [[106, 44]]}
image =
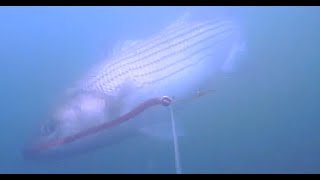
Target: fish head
{"points": [[73, 116], [78, 113]]}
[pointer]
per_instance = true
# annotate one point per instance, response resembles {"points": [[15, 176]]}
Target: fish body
{"points": [[176, 62]]}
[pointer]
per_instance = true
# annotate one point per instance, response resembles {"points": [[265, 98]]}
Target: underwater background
{"points": [[262, 118]]}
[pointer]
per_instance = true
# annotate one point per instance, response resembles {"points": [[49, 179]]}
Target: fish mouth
{"points": [[90, 138], [41, 149], [78, 144], [60, 149], [56, 148], [32, 153]]}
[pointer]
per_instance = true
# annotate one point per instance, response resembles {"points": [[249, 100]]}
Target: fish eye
{"points": [[48, 127]]}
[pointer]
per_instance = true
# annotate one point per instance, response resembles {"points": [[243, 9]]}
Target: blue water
{"points": [[263, 118]]}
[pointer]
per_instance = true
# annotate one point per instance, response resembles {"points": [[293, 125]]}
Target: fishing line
{"points": [[175, 143]]}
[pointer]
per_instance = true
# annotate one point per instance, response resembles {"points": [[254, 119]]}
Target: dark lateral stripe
{"points": [[148, 55], [133, 63]]}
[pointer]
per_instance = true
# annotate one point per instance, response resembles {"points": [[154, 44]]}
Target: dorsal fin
{"points": [[178, 22]]}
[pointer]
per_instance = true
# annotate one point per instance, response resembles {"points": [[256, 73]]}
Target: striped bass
{"points": [[176, 62]]}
